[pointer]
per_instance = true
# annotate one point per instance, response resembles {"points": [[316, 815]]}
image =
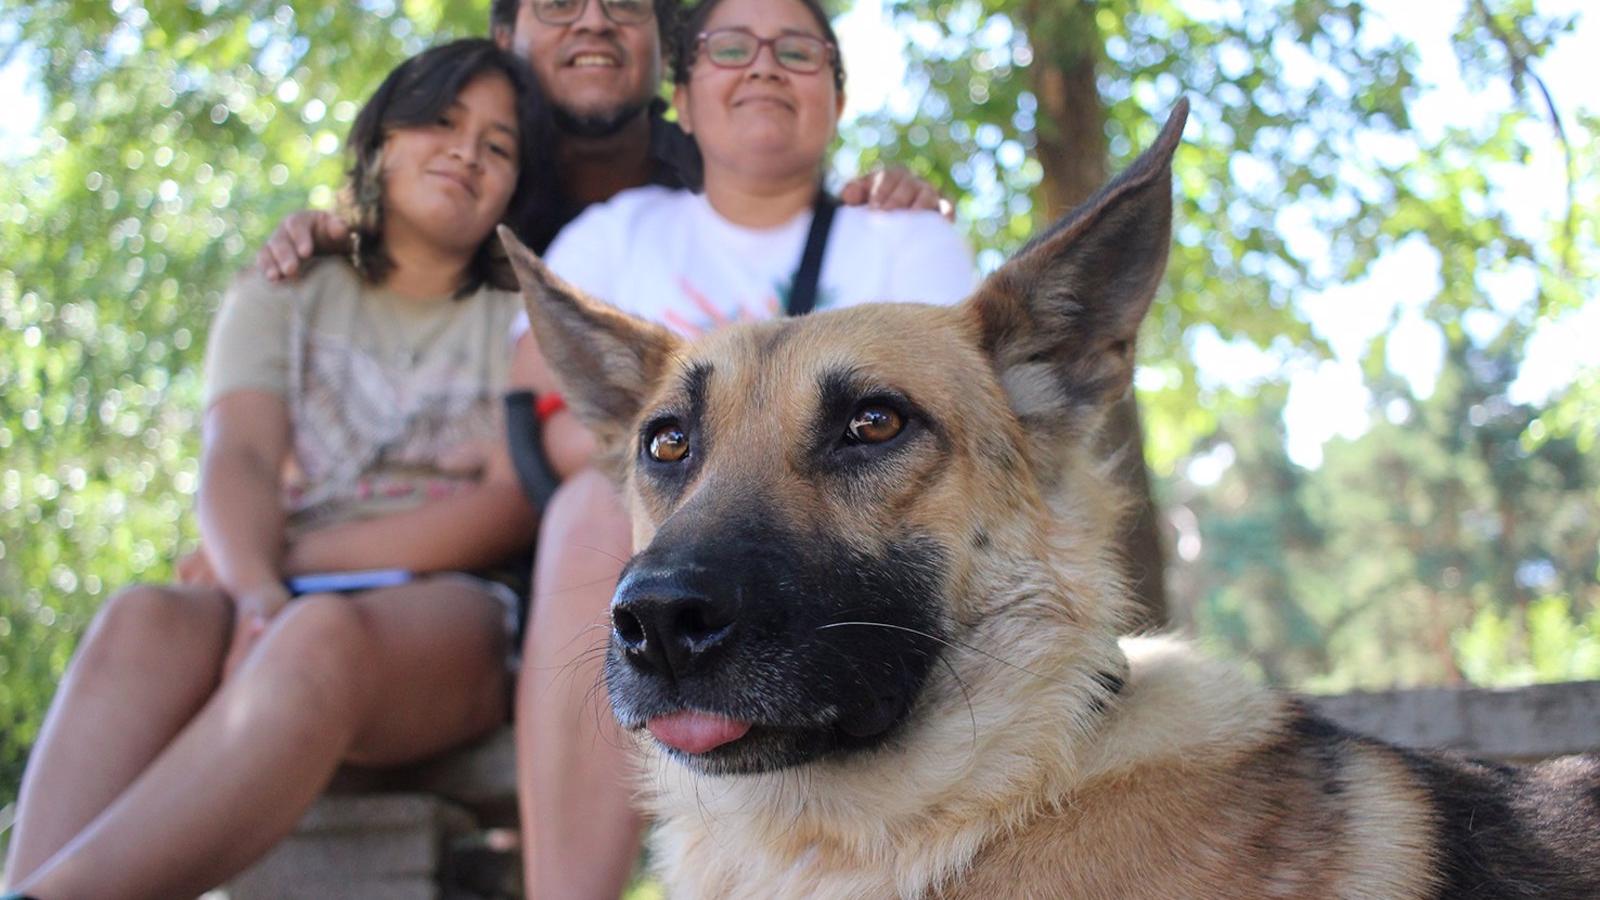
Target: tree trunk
{"points": [[1071, 132], [1071, 148]]}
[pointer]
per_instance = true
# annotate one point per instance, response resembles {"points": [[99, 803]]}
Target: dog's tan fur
{"points": [[1021, 770]]}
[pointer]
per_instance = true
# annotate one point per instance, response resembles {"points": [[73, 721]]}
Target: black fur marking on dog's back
{"points": [[1506, 832], [1111, 684], [1502, 832], [1325, 742]]}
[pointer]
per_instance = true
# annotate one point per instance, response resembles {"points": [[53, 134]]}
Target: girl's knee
{"points": [[144, 621], [320, 642]]}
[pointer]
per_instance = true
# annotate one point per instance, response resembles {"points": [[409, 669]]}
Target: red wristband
{"points": [[548, 404]]}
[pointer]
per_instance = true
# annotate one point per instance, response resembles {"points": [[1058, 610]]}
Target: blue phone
{"points": [[346, 582]]}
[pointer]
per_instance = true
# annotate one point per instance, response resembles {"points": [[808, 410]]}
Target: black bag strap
{"points": [[803, 291], [538, 478]]}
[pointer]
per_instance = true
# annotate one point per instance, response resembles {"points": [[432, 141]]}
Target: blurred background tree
{"points": [[1442, 546], [1453, 538]]}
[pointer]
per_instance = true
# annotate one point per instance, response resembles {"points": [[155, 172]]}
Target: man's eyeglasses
{"points": [[736, 48], [565, 12]]}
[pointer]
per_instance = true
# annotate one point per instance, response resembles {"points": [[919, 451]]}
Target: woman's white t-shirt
{"points": [[667, 256]]}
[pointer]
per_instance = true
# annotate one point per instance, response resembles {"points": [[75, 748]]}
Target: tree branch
{"points": [[1521, 65]]}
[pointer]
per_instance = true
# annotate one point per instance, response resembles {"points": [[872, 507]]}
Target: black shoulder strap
{"points": [[803, 291], [538, 478]]}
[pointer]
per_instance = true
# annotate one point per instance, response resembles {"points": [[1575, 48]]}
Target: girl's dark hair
{"points": [[416, 93], [694, 21]]}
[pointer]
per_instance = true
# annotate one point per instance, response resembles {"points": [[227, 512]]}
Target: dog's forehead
{"points": [[897, 345]]}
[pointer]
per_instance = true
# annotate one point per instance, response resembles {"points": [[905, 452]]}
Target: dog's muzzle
{"points": [[746, 648]]}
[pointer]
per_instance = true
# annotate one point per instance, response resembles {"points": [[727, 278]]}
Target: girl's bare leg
{"points": [[385, 677], [580, 833], [144, 668]]}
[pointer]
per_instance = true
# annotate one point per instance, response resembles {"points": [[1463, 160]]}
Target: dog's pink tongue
{"points": [[696, 732]]}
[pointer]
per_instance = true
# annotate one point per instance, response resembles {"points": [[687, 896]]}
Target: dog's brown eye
{"points": [[669, 444], [875, 424]]}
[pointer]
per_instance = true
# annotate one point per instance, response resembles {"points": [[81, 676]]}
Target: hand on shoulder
{"points": [[895, 188], [299, 237]]}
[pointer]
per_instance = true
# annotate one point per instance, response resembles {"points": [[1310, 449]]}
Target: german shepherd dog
{"points": [[870, 638]]}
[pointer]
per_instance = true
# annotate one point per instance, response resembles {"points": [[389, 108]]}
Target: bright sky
{"points": [[20, 124], [1326, 399]]}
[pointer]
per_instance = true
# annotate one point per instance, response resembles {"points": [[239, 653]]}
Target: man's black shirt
{"points": [[674, 163], [674, 156]]}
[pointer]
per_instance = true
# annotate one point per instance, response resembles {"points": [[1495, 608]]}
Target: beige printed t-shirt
{"points": [[393, 401]]}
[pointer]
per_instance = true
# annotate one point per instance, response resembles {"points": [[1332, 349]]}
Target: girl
{"points": [[352, 423]]}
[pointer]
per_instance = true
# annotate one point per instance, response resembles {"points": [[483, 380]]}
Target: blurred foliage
{"points": [[1439, 547], [1546, 642], [644, 889], [177, 132]]}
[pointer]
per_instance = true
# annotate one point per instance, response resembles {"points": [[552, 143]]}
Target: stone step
{"points": [[390, 845]]}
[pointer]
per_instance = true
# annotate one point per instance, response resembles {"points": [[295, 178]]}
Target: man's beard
{"points": [[597, 124]]}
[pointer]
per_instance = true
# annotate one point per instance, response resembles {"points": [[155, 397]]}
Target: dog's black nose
{"points": [[663, 624]]}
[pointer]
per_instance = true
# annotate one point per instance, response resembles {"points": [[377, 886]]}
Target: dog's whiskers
{"points": [[966, 696], [593, 650], [545, 595], [607, 554]]}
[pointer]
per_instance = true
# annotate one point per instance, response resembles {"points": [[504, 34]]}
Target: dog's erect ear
{"points": [[606, 360], [1059, 319]]}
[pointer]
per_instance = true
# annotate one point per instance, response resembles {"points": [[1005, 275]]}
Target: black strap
{"points": [[538, 479], [803, 291]]}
